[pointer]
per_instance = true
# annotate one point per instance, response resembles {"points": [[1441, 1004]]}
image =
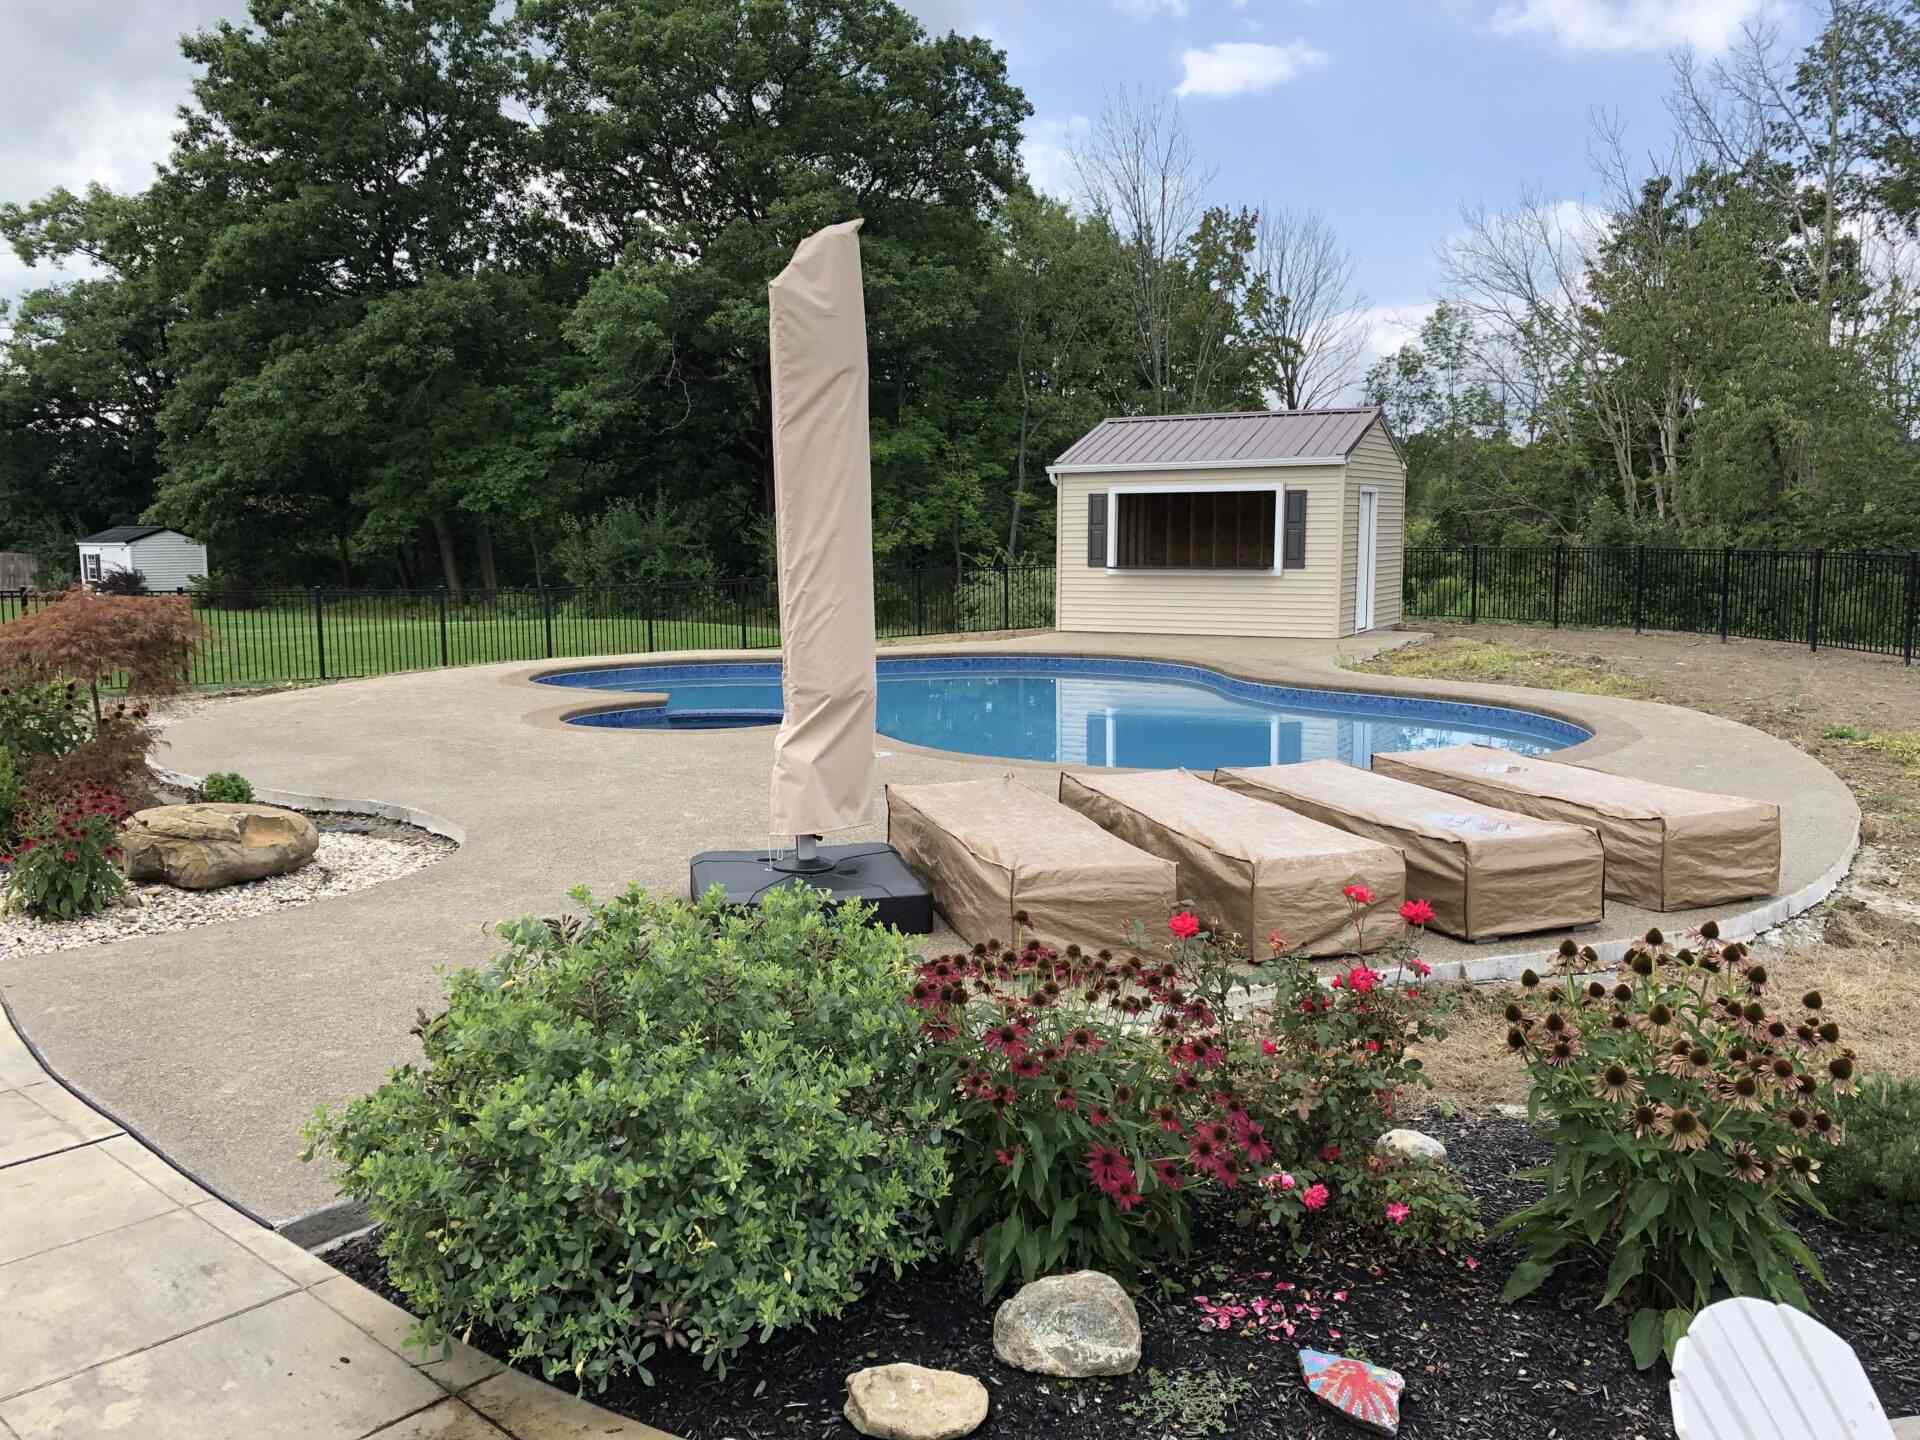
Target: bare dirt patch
{"points": [[1857, 714]]}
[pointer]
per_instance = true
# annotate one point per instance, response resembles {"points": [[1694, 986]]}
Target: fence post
{"points": [[1559, 579], [1639, 585], [320, 631], [1006, 597], [1473, 586], [741, 591], [1726, 583], [1913, 594], [546, 611], [652, 602], [445, 653], [1815, 586], [919, 606]]}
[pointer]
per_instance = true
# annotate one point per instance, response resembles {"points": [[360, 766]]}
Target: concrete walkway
{"points": [[218, 1043], [132, 1303]]}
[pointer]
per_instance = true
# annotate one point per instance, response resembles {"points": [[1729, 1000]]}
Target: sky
{"points": [[1387, 116]]}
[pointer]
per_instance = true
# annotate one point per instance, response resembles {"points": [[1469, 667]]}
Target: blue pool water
{"points": [[1134, 713]]}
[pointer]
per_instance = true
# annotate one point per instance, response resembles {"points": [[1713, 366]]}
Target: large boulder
{"points": [[202, 847], [1412, 1145], [1078, 1324], [911, 1402]]}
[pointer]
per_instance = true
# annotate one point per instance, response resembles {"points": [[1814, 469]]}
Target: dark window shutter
{"points": [[1097, 530], [1294, 547]]}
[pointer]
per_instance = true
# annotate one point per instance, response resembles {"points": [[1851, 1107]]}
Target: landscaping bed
{"points": [[1476, 1367], [356, 851]]}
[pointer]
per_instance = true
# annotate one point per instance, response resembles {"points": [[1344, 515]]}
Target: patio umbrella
{"points": [[823, 765]]}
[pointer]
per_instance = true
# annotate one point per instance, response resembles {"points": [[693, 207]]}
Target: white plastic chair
{"points": [[1750, 1370]]}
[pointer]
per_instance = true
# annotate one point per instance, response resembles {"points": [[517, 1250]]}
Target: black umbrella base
{"points": [[872, 873]]}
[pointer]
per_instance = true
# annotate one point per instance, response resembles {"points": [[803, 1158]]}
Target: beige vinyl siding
{"points": [[1301, 603], [1375, 462], [169, 560]]}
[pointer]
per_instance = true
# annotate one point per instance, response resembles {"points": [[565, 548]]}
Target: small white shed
{"points": [[168, 559], [1285, 523]]}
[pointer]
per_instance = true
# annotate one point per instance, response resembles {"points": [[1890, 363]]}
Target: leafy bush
{"points": [[1687, 1111], [1090, 1093], [224, 787], [633, 545], [43, 718], [121, 582], [672, 1124], [1334, 1067], [9, 795], [66, 862], [113, 758], [225, 590], [1874, 1179]]}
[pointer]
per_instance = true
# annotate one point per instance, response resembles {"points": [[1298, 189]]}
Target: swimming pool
{"points": [[1136, 713]]}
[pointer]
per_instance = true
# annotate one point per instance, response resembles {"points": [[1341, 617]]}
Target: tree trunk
{"points": [[539, 573], [1020, 460], [449, 556], [346, 564], [483, 539]]}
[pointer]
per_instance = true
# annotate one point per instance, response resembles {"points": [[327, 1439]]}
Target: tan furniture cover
{"points": [[1667, 848], [1486, 872], [1261, 869], [987, 848], [823, 767]]}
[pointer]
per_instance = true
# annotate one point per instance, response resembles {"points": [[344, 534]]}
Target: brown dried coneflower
{"points": [[1646, 1120], [1798, 1120], [1840, 1072], [1683, 1127], [1743, 1092], [1800, 1165], [1563, 1051], [1614, 1082], [1826, 1127], [1746, 1163]]}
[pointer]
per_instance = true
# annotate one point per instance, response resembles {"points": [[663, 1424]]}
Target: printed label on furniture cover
{"points": [[1262, 870], [1667, 848], [990, 848], [1486, 872]]}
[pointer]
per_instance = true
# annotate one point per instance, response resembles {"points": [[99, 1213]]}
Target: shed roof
{"points": [[1250, 437], [124, 534]]}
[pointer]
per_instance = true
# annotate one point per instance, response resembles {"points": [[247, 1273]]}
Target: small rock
{"points": [[1907, 1427], [911, 1402], [1366, 1394], [1412, 1145], [1075, 1325]]}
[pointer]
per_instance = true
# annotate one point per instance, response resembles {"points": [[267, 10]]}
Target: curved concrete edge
{"points": [[297, 800]]}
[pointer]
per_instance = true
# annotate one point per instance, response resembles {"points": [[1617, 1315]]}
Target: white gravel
{"points": [[344, 863]]}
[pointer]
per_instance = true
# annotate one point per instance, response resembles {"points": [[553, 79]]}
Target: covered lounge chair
{"points": [[1486, 872], [1667, 848], [991, 848], [1261, 869]]}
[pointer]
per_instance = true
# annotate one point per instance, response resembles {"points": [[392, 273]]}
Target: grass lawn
{"points": [[1858, 714], [277, 646]]}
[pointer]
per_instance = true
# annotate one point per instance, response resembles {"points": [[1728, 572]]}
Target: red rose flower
{"points": [[1184, 926], [1417, 912]]}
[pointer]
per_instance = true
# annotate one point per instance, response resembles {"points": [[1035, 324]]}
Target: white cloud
{"points": [[1047, 151], [1710, 25], [1147, 9], [1388, 327], [1242, 67]]}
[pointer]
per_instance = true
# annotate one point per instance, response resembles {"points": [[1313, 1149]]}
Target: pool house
{"points": [[1283, 523]]}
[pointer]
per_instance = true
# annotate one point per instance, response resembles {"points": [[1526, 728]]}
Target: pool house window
{"points": [[1198, 528]]}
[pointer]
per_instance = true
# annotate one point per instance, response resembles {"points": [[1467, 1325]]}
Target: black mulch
{"points": [[1476, 1368]]}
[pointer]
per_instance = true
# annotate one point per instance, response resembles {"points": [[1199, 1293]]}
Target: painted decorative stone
{"points": [[1366, 1394]]}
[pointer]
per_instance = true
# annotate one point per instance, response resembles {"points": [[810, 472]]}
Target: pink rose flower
{"points": [[1314, 1197], [1358, 894], [1397, 1213]]}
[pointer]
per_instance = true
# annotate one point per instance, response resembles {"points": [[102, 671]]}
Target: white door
{"points": [[1369, 559]]}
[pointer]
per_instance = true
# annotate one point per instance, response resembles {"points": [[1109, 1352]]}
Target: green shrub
{"points": [[224, 787], [9, 796], [40, 718], [66, 863], [673, 1124], [1874, 1179], [1688, 1112]]}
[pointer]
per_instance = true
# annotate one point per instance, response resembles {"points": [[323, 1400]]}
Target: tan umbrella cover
{"points": [[823, 766], [1667, 848], [1486, 872], [990, 848], [1261, 869]]}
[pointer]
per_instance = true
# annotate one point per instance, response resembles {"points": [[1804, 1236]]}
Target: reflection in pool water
{"points": [[1141, 715]]}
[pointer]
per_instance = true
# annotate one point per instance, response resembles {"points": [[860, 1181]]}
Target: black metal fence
{"points": [[1845, 600], [258, 637]]}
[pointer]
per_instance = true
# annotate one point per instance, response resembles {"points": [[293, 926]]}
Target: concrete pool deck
{"points": [[217, 1044]]}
